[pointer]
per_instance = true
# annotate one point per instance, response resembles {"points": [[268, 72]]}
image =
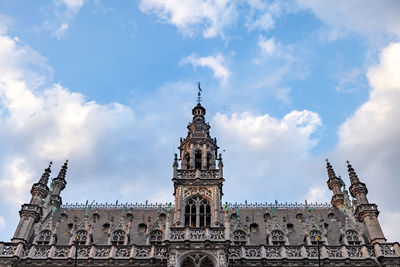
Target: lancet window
{"points": [[197, 212], [352, 237], [187, 160], [197, 159], [315, 237], [118, 237], [81, 237], [277, 237], [156, 237], [44, 237], [239, 237]]}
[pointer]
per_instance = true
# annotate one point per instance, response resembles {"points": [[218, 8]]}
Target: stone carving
{"points": [[371, 251], [8, 250], [273, 252], [222, 260], [252, 252], [102, 252], [197, 234], [177, 234], [387, 250], [122, 252], [312, 252], [161, 252], [41, 251], [216, 234], [83, 252], [334, 252], [293, 252], [172, 260], [234, 252], [355, 252], [61, 252], [142, 252], [197, 190]]}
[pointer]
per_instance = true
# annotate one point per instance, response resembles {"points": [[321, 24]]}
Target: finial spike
{"points": [[199, 93], [63, 171], [46, 174]]}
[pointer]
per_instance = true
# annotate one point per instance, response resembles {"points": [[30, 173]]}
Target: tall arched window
{"points": [[187, 160], [197, 159], [44, 237], [197, 212], [209, 161]]}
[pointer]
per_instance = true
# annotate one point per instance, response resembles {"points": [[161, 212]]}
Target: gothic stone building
{"points": [[199, 230]]}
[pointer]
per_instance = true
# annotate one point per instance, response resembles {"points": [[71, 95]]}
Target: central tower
{"points": [[198, 181]]}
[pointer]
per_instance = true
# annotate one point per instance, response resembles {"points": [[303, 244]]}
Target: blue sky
{"points": [[110, 85]]}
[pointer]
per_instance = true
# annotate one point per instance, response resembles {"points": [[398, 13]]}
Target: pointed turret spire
{"points": [[63, 171], [46, 174], [352, 173], [335, 185]]}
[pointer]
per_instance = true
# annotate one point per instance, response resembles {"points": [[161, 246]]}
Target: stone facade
{"points": [[198, 229]]}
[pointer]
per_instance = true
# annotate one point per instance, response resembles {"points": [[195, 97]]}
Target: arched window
{"points": [[277, 237], [118, 237], [239, 237], [197, 159], [197, 261], [44, 237], [81, 237], [187, 160], [197, 212], [352, 237], [209, 161], [314, 235], [156, 237]]}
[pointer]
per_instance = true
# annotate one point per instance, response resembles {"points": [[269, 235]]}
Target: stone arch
{"points": [[197, 259], [197, 211]]}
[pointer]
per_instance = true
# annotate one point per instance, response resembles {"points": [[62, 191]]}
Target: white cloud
{"points": [[212, 15], [268, 47], [369, 138], [74, 5], [215, 63], [317, 194], [263, 146], [371, 19]]}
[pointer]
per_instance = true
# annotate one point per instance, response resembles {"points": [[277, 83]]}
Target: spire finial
{"points": [[331, 172], [352, 173], [46, 174], [63, 171], [199, 93]]}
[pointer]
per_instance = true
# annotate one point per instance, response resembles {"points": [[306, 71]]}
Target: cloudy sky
{"points": [[110, 85]]}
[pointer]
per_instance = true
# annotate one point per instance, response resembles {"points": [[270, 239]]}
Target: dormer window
{"points": [[81, 237], [156, 237], [239, 237], [44, 237], [277, 237], [315, 237], [352, 238], [118, 237]]}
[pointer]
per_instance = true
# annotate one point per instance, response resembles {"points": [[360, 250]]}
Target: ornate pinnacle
{"points": [[46, 174], [63, 171], [353, 175], [331, 172]]}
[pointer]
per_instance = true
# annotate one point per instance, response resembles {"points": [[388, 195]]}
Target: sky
{"points": [[110, 86]]}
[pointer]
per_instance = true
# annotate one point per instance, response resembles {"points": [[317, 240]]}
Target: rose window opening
{"points": [[197, 212]]}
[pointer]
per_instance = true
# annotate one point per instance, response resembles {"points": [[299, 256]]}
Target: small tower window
{"points": [[277, 237], [187, 160], [197, 212], [209, 161], [81, 237], [44, 237], [156, 237], [239, 237], [118, 237], [352, 237], [197, 159]]}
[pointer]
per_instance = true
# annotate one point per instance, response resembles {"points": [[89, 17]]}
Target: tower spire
{"points": [[46, 174], [199, 93], [335, 185], [58, 185]]}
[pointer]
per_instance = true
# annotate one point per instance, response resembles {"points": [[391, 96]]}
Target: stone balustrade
{"points": [[202, 174], [197, 234]]}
